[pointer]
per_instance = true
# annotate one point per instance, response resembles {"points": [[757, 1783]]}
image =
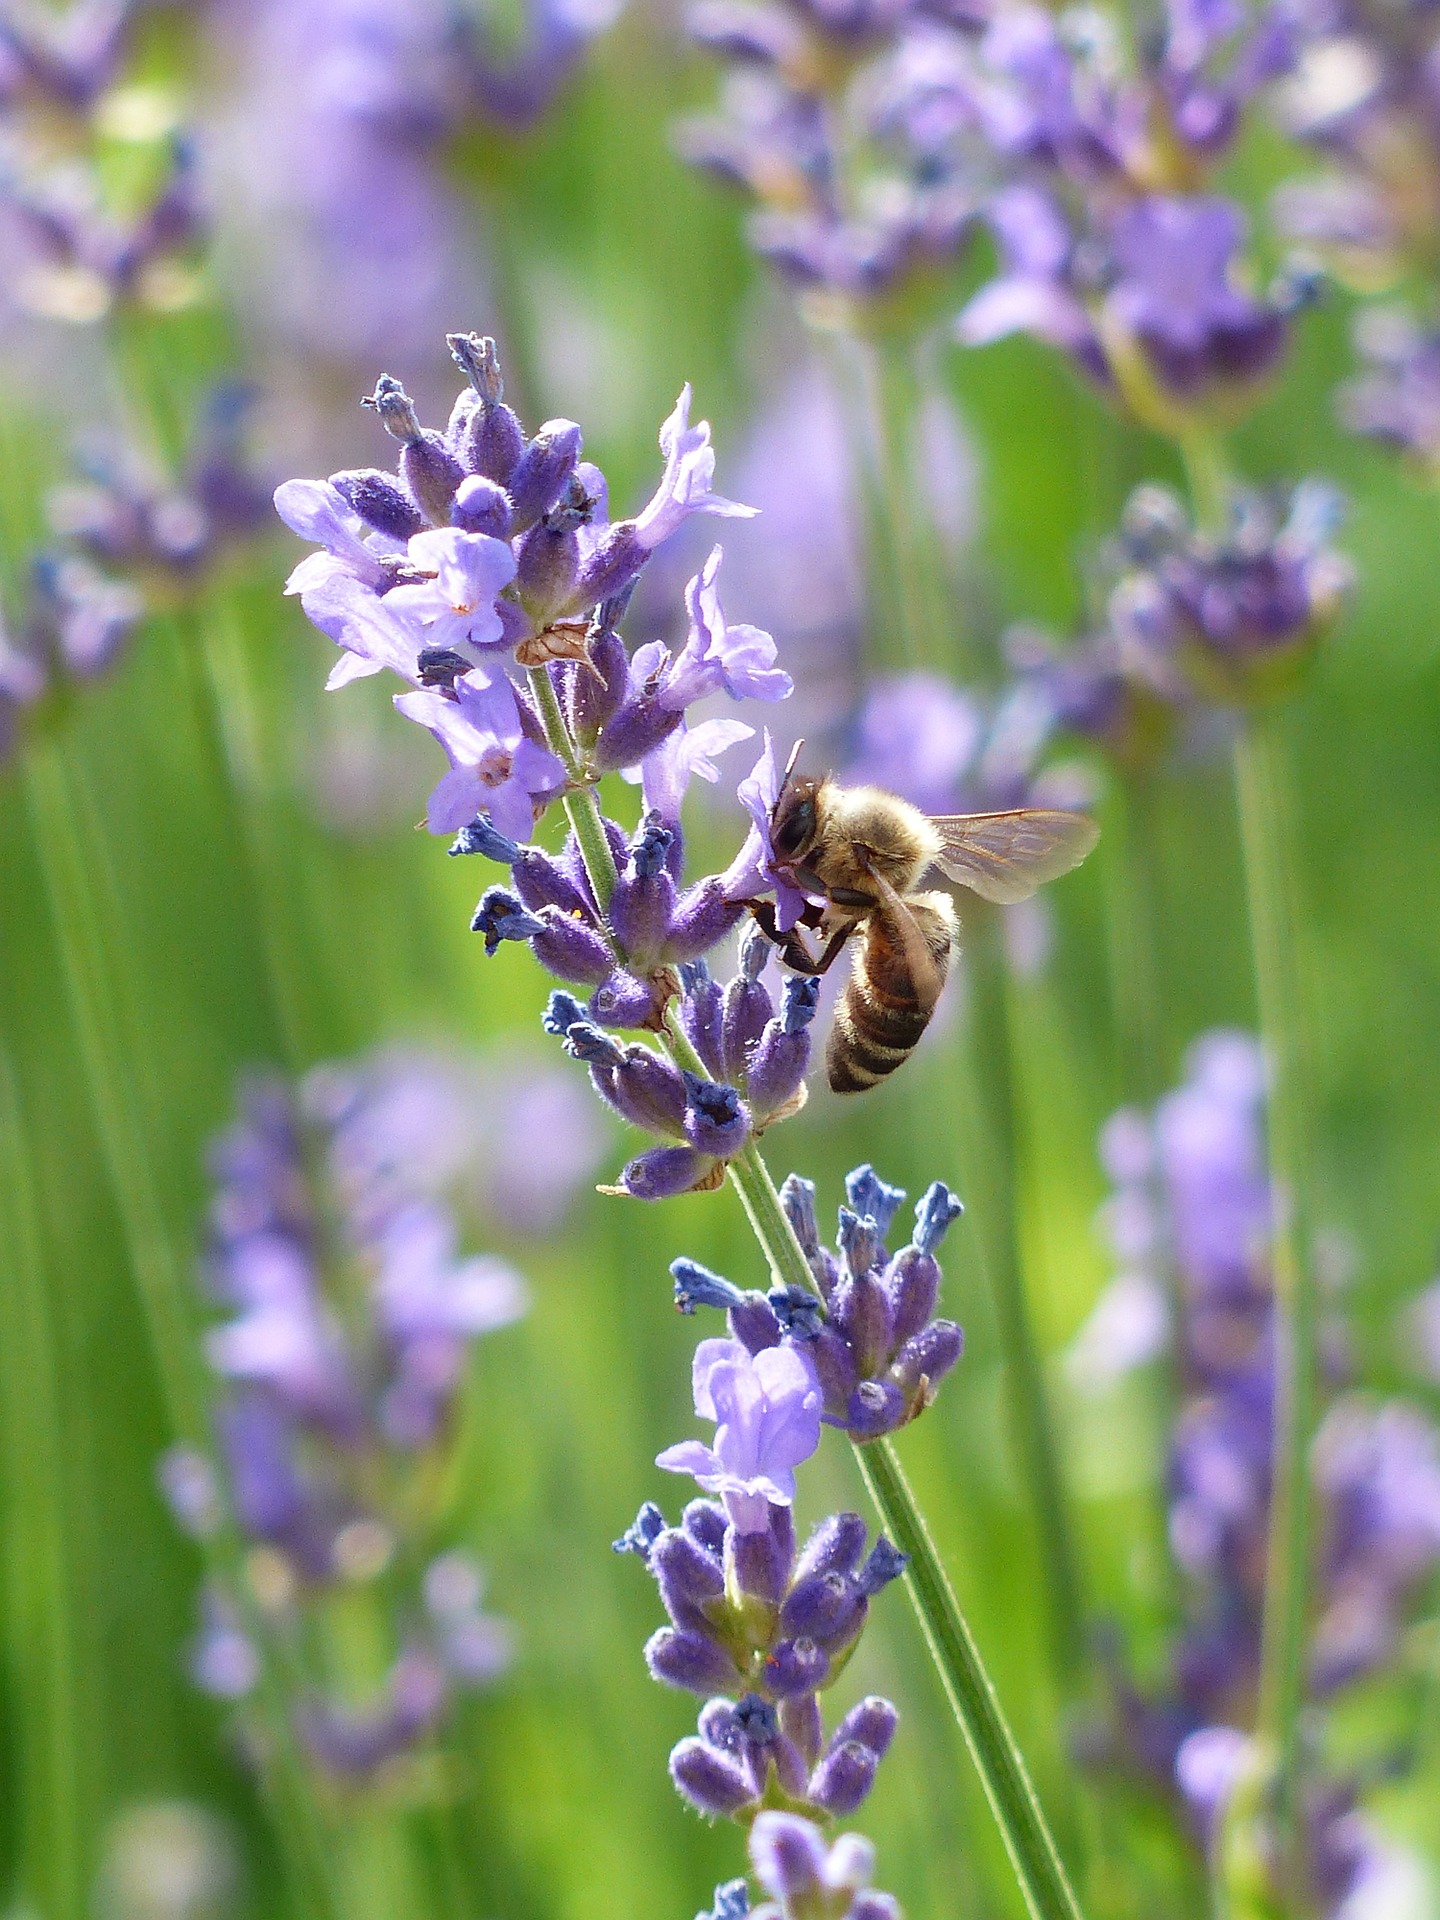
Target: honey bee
{"points": [[868, 855]]}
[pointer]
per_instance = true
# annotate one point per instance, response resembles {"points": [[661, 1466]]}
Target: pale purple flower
{"points": [[318, 511], [423, 1291], [917, 735], [494, 768], [767, 1412], [457, 608], [371, 634], [739, 659], [685, 485], [685, 754]]}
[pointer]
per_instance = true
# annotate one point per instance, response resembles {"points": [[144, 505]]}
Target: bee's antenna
{"points": [[795, 753]]}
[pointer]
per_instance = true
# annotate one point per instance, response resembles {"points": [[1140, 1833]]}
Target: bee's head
{"points": [[794, 819]]}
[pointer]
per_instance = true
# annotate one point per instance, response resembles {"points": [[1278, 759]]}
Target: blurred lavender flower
{"points": [[1190, 1220], [863, 193], [804, 1876], [333, 1395], [1194, 623], [513, 82], [1363, 95], [1395, 398], [1111, 249]]}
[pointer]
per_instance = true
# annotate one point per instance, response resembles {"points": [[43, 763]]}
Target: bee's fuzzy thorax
{"points": [[898, 837]]}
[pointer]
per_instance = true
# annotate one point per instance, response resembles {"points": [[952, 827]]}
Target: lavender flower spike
{"points": [[767, 1412]]}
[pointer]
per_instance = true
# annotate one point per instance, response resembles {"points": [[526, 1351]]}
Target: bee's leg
{"points": [[793, 951]]}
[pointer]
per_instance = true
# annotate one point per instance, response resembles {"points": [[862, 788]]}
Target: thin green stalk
{"points": [[1131, 875], [1048, 1894], [992, 1045], [906, 588], [1268, 838], [41, 1601], [69, 846]]}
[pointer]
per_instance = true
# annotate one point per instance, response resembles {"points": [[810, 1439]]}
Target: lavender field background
{"points": [[210, 873]]}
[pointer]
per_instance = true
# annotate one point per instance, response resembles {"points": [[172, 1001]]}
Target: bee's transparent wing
{"points": [[1005, 856]]}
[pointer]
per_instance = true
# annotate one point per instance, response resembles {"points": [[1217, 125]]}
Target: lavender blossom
{"points": [[775, 1628], [327, 1400], [767, 1410], [861, 191], [871, 1337], [489, 551]]}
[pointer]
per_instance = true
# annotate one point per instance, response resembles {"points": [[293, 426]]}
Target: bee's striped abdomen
{"points": [[883, 1012]]}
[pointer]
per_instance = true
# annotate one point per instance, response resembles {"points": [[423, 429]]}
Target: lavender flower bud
{"points": [[644, 897], [700, 1011], [650, 1092], [873, 1199], [797, 1197], [380, 502], [762, 1560], [696, 1286], [664, 1172], [796, 1668], [501, 917], [594, 696], [701, 919], [929, 1356], [789, 1856], [480, 506], [495, 438], [886, 1563], [690, 1661], [732, 1902], [825, 1608], [871, 1721], [642, 1533], [427, 466], [860, 1241], [800, 1722], [543, 472], [936, 1213], [781, 1057], [875, 1407], [710, 1780], [707, 1522], [633, 732], [546, 564], [835, 1546], [613, 566], [861, 1309], [843, 1779], [541, 882], [912, 1282], [481, 837], [687, 1575], [797, 1312], [623, 1000], [715, 1118]]}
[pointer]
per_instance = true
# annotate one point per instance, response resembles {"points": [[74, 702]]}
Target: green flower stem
{"points": [[1131, 871], [971, 1693], [1267, 834], [42, 1606], [70, 847], [992, 1045], [1017, 1810], [581, 806]]}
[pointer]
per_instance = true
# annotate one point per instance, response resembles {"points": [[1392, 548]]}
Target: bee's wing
{"points": [[1005, 856]]}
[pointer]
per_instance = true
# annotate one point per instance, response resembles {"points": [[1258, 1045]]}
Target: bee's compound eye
{"points": [[795, 829]]}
